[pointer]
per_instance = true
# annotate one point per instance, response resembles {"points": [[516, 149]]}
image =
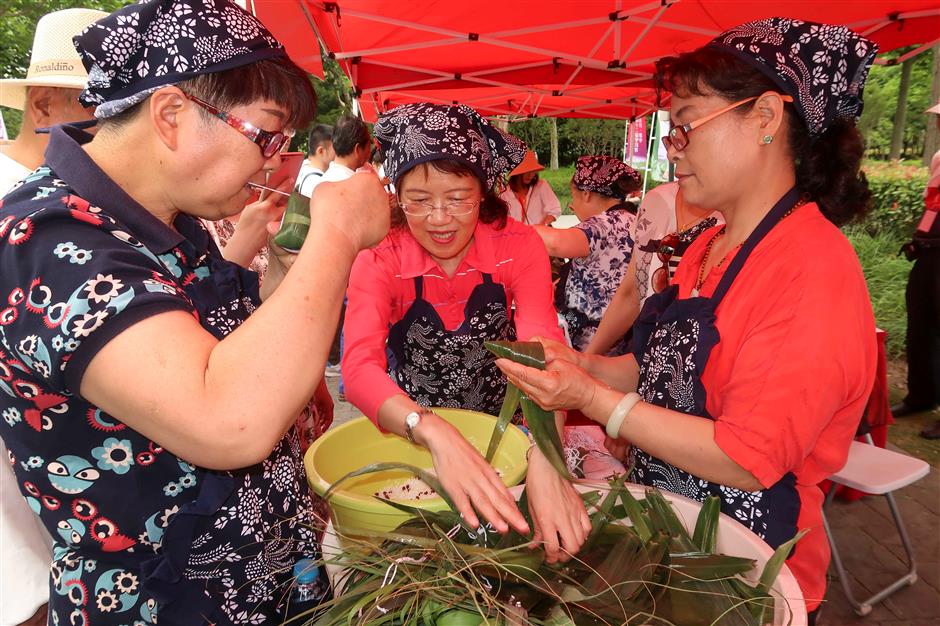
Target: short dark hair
{"points": [[348, 133], [319, 135], [493, 209], [277, 80]]}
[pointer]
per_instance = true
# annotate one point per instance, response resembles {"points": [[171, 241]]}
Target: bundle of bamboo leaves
{"points": [[638, 566]]}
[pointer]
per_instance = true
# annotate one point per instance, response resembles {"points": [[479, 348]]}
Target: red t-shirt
{"points": [[789, 379], [381, 290]]}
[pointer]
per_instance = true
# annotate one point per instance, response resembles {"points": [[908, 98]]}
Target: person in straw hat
{"points": [[47, 96], [150, 421], [530, 199]]}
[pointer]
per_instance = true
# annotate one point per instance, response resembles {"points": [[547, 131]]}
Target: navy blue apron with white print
{"points": [[268, 502], [673, 339], [439, 367]]}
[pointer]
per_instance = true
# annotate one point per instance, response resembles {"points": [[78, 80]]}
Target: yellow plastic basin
{"points": [[358, 443]]}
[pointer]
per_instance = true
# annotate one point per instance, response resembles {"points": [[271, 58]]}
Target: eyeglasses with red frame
{"points": [[678, 137], [269, 143]]}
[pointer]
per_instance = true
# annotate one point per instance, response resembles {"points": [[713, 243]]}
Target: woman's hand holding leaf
{"points": [[560, 386], [469, 480], [557, 510]]}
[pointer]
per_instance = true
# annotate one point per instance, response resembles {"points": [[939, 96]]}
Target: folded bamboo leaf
{"points": [[706, 526], [530, 353], [602, 516], [423, 474], [510, 404], [664, 519], [541, 423], [295, 224]]}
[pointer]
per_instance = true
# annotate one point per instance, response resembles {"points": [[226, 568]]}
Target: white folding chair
{"points": [[879, 472]]}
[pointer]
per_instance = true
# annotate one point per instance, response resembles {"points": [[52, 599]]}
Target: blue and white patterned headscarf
{"points": [[154, 43], [412, 134], [822, 66], [604, 175]]}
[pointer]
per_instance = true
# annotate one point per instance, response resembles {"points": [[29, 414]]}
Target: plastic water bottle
{"points": [[310, 589]]}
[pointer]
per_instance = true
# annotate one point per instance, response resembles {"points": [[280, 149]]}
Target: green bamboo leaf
{"points": [[510, 404], [638, 516], [706, 526], [664, 519], [530, 353], [710, 566], [295, 224], [423, 474], [775, 563], [545, 433]]}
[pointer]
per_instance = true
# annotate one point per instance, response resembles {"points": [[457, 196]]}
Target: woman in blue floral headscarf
{"points": [[599, 247]]}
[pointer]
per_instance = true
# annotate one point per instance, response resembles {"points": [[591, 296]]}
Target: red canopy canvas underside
{"points": [[520, 58]]}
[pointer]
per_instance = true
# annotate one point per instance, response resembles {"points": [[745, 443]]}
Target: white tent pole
{"points": [[651, 134]]}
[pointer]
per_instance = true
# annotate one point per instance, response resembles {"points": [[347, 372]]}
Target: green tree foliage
{"points": [[18, 20], [334, 99], [881, 97]]}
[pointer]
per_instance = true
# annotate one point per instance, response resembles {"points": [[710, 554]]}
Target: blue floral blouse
{"points": [[594, 279], [138, 531]]}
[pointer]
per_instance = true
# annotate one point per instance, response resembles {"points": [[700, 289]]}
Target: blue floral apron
{"points": [[227, 556], [673, 339], [439, 367]]}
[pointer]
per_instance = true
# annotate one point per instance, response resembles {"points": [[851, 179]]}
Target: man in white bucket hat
{"points": [[48, 96]]}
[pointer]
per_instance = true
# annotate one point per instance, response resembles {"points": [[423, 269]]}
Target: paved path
{"points": [[871, 550]]}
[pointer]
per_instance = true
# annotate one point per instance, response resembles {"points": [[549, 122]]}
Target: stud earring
{"points": [[675, 159], [768, 139]]}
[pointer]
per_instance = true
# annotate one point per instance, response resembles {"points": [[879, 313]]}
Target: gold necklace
{"points": [[708, 249]]}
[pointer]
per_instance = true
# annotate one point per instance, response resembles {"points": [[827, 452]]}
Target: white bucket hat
{"points": [[54, 61]]}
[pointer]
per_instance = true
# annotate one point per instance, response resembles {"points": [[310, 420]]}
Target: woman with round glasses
{"points": [[444, 281], [749, 375]]}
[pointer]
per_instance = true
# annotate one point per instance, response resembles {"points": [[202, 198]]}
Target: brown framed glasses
{"points": [[678, 136], [269, 143], [667, 248]]}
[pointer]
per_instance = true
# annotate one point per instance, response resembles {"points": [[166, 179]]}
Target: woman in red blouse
{"points": [[750, 373], [445, 280]]}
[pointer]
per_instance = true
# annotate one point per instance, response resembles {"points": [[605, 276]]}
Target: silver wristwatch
{"points": [[411, 422]]}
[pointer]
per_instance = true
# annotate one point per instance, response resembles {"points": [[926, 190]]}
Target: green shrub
{"points": [[898, 198], [886, 275]]}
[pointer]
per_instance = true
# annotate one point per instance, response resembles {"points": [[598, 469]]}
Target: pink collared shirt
{"points": [[381, 290]]}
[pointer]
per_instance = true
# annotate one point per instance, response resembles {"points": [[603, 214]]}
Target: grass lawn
{"points": [[559, 180]]}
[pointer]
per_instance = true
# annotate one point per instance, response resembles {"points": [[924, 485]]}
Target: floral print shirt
{"points": [[137, 530], [594, 278]]}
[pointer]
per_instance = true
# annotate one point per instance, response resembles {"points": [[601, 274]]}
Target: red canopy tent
{"points": [[521, 58]]}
